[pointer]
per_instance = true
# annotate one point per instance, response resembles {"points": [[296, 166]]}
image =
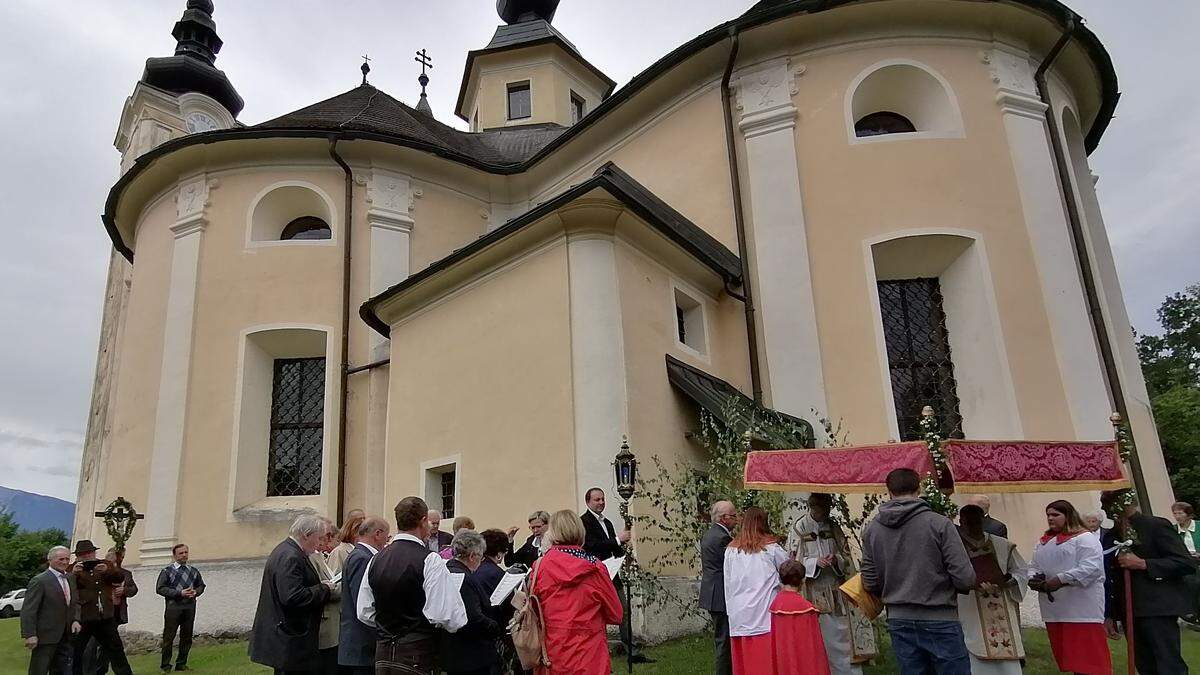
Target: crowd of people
{"points": [[357, 599], [951, 592]]}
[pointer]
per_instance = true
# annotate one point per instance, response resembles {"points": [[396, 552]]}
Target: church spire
{"points": [[191, 69], [519, 11], [196, 33]]}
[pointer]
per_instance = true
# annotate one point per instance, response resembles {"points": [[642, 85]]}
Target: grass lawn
{"points": [[687, 656]]}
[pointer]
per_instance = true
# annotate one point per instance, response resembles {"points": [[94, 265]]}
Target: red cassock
{"points": [[578, 600], [798, 647]]}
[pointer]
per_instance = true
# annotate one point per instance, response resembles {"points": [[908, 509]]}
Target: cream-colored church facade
{"points": [[521, 289]]}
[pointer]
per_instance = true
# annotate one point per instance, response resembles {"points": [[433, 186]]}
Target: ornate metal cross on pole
{"points": [[365, 68], [119, 519], [426, 62]]}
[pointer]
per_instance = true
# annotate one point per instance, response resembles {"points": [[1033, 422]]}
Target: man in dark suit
{"points": [[1157, 563], [990, 525], [437, 540], [287, 622], [531, 550], [603, 541], [712, 580], [356, 642], [50, 615]]}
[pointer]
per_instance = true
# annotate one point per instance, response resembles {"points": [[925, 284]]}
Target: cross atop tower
{"points": [[365, 68], [426, 62]]}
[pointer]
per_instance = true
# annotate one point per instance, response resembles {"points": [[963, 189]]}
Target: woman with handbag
{"points": [[577, 600]]}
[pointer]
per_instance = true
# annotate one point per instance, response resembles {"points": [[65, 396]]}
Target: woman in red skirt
{"points": [[1068, 572], [752, 563]]}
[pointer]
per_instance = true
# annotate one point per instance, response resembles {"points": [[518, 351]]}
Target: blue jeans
{"points": [[929, 647]]}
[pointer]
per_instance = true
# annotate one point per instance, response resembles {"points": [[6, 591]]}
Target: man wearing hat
{"points": [[94, 581]]}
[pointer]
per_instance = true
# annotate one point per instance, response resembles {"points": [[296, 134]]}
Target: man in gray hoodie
{"points": [[914, 560]]}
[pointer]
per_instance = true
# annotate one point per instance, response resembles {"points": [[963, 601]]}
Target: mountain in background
{"points": [[37, 512]]}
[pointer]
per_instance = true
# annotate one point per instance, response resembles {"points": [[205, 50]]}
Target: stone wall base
{"points": [[225, 610]]}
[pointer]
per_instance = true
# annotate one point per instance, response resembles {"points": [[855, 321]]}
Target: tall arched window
{"points": [[306, 227], [883, 122]]}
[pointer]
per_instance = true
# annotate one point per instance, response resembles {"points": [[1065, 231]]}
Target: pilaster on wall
{"points": [[1050, 239], [174, 378], [601, 400], [789, 349], [390, 200]]}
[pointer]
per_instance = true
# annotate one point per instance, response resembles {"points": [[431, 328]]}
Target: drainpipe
{"points": [[344, 365], [739, 221], [1095, 313]]}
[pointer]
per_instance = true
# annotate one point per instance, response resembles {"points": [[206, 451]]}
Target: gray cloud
{"points": [[66, 68]]}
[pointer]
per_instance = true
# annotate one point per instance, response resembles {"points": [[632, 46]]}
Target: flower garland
{"points": [[1118, 504], [931, 492]]}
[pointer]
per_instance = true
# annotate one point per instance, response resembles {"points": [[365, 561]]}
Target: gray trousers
{"points": [[723, 661], [51, 659]]}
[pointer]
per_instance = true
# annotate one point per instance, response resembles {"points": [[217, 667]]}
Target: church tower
{"points": [[180, 94], [529, 73], [176, 95]]}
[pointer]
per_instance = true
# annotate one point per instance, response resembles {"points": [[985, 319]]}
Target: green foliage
{"points": [[1172, 359], [681, 492], [23, 553], [1171, 365]]}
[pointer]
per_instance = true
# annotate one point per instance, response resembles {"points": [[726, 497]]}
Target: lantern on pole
{"points": [[625, 469]]}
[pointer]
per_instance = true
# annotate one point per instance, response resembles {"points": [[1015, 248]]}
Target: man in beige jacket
{"points": [[331, 614]]}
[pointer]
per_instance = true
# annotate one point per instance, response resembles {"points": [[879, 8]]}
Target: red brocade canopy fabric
{"points": [[976, 466]]}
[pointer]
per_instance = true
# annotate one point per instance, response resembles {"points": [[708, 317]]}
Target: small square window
{"points": [[689, 322], [518, 101], [441, 488], [577, 107]]}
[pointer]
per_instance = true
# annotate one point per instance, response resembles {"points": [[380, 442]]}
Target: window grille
{"points": [[297, 427], [681, 324], [448, 494], [519, 106], [306, 227], [918, 351], [883, 122]]}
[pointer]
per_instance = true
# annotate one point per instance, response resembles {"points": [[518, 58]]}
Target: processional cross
{"points": [[119, 519]]}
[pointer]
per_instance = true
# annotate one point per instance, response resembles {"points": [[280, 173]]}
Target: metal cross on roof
{"points": [[365, 67], [425, 61]]}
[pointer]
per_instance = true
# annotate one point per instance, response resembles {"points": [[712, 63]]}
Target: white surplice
{"points": [[991, 622]]}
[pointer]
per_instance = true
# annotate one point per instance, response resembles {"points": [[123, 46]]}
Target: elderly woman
{"points": [[1185, 525], [1068, 572], [331, 613], [577, 599], [472, 649]]}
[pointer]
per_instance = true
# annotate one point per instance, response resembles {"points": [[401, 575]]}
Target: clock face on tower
{"points": [[198, 121]]}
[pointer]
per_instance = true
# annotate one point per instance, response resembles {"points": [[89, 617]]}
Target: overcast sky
{"points": [[67, 67]]}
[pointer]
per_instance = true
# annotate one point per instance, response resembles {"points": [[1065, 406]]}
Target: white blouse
{"points": [[1079, 563], [751, 583]]}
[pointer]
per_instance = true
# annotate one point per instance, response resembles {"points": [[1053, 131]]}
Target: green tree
{"points": [[23, 553], [1171, 365]]}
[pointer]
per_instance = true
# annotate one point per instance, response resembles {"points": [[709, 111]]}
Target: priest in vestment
{"points": [[991, 614], [819, 543]]}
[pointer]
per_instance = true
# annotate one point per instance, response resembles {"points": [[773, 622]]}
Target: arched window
{"points": [[883, 122], [306, 227]]}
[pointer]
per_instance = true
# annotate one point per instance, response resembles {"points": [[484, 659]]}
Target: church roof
{"points": [[515, 149], [635, 196], [371, 111]]}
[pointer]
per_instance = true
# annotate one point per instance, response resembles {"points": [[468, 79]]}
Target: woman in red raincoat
{"points": [[577, 598]]}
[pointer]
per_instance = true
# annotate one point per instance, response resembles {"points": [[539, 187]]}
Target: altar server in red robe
{"points": [[795, 627]]}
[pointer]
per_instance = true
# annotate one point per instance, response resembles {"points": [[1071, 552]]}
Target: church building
{"points": [[833, 208]]}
